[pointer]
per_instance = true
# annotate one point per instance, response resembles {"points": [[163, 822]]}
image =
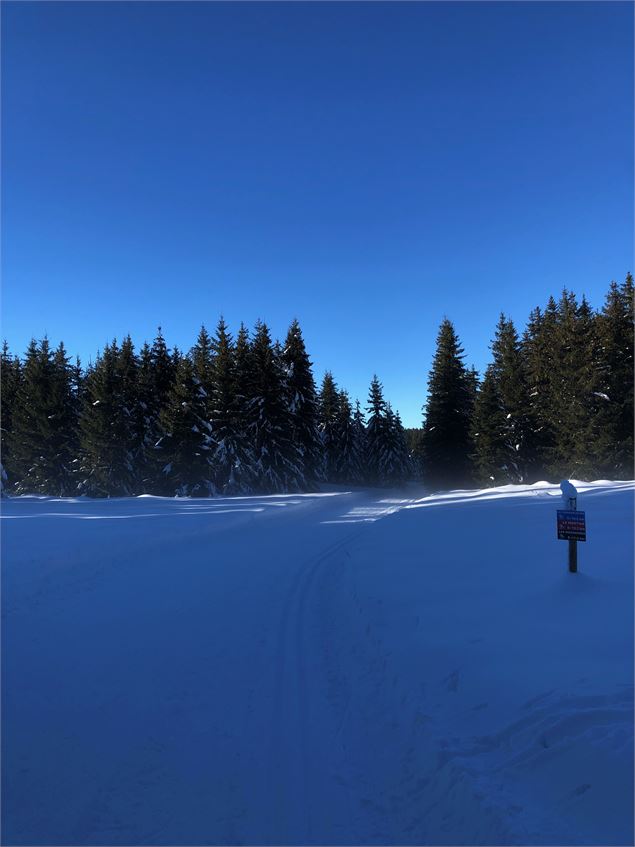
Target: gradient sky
{"points": [[366, 167]]}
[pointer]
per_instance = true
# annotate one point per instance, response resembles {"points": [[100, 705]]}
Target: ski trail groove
{"points": [[289, 763]]}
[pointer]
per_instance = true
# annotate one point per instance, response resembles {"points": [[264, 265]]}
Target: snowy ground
{"points": [[352, 668]]}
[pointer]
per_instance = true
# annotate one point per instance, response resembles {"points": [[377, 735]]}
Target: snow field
{"points": [[363, 667]]}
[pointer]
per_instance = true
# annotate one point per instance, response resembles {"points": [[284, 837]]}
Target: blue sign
{"points": [[571, 525]]}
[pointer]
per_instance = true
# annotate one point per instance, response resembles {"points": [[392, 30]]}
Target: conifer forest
{"points": [[242, 413]]}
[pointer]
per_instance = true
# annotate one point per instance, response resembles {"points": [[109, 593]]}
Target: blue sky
{"points": [[366, 167]]}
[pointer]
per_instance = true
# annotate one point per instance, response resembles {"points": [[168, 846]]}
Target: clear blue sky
{"points": [[366, 167]]}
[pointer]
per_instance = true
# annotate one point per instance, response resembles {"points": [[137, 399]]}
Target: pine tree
{"points": [[162, 373], [202, 356], [613, 441], [303, 403], [349, 467], [508, 455], [42, 439], [573, 383], [394, 464], [540, 357], [489, 433], [446, 436], [65, 421], [185, 445], [277, 460], [144, 424], [328, 411], [106, 465], [406, 467], [359, 430], [376, 433], [231, 456]]}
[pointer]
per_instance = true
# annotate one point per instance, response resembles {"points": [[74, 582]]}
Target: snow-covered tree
{"points": [[232, 456], [328, 411], [277, 459], [303, 404], [185, 446], [106, 461]]}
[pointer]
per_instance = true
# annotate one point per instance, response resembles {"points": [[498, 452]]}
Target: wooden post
{"points": [[573, 545]]}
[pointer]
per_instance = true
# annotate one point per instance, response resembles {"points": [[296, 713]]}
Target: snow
{"points": [[351, 667], [569, 491]]}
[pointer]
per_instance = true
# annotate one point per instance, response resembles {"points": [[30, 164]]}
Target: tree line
{"points": [[244, 415], [555, 402], [231, 416]]}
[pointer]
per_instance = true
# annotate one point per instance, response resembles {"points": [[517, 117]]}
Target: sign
{"points": [[571, 525]]}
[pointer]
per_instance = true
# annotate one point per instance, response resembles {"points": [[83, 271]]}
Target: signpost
{"points": [[571, 523]]}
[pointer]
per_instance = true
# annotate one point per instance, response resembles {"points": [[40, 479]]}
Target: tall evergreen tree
{"points": [[162, 374], [489, 433], [303, 404], [613, 442], [42, 439], [203, 360], [359, 433], [446, 432], [574, 379], [328, 412], [348, 450], [232, 457], [540, 356], [144, 424], [501, 428], [376, 433], [106, 465], [394, 461], [185, 444], [277, 460]]}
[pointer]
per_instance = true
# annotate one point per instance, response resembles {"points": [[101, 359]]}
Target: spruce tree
{"points": [[376, 433], [202, 356], [394, 464], [162, 373], [42, 442], [349, 468], [328, 412], [359, 433], [613, 442], [106, 465], [446, 432], [185, 446], [574, 384], [489, 433], [540, 356], [512, 453], [303, 404], [144, 424], [277, 460], [231, 455], [65, 421]]}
